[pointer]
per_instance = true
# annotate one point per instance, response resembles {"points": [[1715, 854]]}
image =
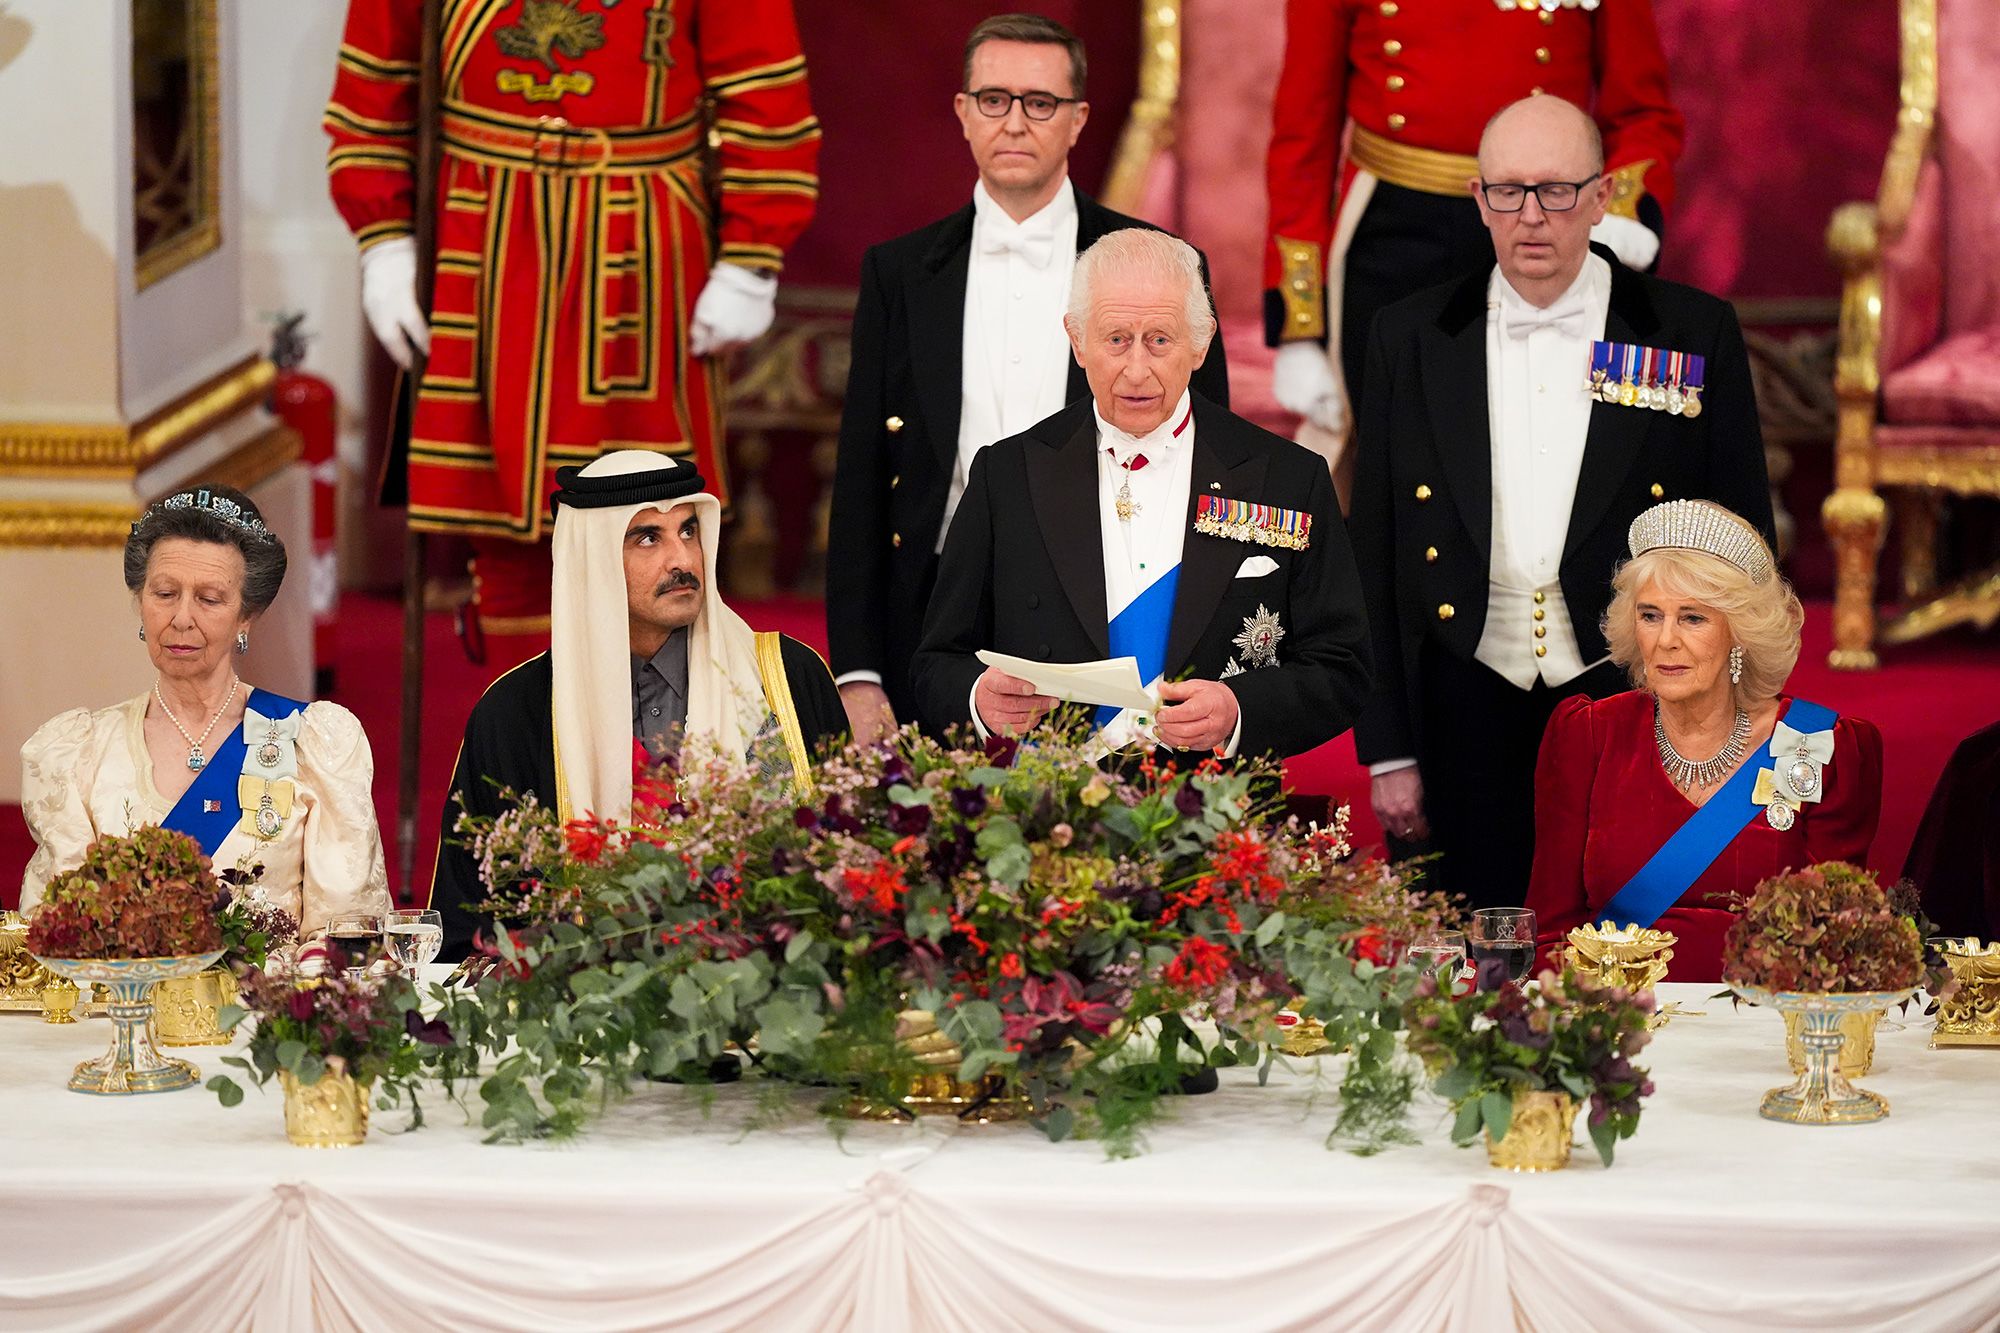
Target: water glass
{"points": [[412, 938], [1507, 934], [1441, 954]]}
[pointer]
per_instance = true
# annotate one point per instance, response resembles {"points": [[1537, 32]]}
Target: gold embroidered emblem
{"points": [[547, 27], [660, 35]]}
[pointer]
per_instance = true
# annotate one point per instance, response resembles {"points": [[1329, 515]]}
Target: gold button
{"points": [[1541, 614], [1423, 493], [895, 481], [1658, 490], [1298, 284], [1447, 611], [1395, 83], [1541, 650], [1541, 597], [895, 539], [1541, 631], [1392, 47], [894, 424], [1535, 91], [1388, 9], [1430, 555], [1303, 317], [1541, 55], [1548, 17], [1397, 120]]}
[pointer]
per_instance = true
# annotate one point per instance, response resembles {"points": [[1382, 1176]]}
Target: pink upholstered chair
{"points": [[1919, 366]]}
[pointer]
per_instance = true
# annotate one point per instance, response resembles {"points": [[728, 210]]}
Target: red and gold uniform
{"points": [[574, 230], [1417, 80]]}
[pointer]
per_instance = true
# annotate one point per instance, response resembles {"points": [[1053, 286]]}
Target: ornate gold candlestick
{"points": [[22, 979], [1632, 957], [1970, 1015]]}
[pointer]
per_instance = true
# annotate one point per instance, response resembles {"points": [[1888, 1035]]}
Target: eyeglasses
{"points": [[1553, 196], [997, 102]]}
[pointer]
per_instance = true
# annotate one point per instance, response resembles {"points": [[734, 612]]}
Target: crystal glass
{"points": [[358, 936], [1505, 933], [1440, 953], [412, 938]]}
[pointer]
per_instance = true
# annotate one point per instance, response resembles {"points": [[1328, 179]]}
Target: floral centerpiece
{"points": [[1056, 922], [139, 909], [331, 1040], [1517, 1062]]}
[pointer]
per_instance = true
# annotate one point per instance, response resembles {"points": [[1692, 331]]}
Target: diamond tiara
{"points": [[225, 509], [1697, 525]]}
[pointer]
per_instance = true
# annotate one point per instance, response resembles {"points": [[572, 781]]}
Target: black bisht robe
{"points": [[510, 744]]}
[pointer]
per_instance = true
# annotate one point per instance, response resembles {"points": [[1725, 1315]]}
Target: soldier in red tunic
{"points": [[586, 278], [1373, 145]]}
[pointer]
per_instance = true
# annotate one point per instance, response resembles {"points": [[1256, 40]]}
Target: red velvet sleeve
{"points": [[372, 118], [1302, 166], [1841, 826], [766, 134], [1564, 775], [1635, 111]]}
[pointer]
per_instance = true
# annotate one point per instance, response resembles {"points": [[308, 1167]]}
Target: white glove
{"points": [[736, 305], [389, 299], [1302, 382], [1635, 244]]}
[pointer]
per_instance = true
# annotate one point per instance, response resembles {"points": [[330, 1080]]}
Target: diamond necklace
{"points": [[1687, 773], [196, 759]]}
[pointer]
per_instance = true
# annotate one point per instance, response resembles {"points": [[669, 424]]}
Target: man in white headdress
{"points": [[645, 653]]}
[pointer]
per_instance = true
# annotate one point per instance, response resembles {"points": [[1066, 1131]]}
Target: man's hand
{"points": [[1200, 714], [869, 716], [1302, 382], [1398, 798], [1008, 705], [735, 307], [389, 299]]}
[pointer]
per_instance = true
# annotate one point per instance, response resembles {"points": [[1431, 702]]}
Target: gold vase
{"points": [[332, 1113], [1857, 1042], [1822, 1095], [1538, 1133], [58, 1001], [937, 1089], [186, 1010], [1970, 1015]]}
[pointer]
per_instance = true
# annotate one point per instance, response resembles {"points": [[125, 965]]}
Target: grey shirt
{"points": [[660, 696]]}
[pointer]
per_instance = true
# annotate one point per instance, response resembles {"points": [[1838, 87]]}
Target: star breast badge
{"points": [[1259, 640]]}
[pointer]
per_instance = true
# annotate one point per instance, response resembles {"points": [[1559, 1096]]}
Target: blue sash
{"points": [[1695, 844], [208, 809], [1140, 631]]}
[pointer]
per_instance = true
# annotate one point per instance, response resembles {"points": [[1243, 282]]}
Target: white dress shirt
{"points": [[1015, 367], [1538, 415]]}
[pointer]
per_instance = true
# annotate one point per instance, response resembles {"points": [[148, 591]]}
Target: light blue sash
{"points": [[1140, 631], [1695, 845], [208, 809]]}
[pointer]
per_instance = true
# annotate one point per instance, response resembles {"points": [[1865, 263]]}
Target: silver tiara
{"points": [[1696, 525], [219, 506]]}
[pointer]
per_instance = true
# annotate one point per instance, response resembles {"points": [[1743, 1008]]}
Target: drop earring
{"points": [[142, 634], [1736, 665], [243, 643]]}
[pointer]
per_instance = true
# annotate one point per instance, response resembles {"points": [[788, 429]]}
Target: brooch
{"points": [[1781, 811], [1242, 521], [1259, 640]]}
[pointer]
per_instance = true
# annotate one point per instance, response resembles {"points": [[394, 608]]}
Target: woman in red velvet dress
{"points": [[1709, 633]]}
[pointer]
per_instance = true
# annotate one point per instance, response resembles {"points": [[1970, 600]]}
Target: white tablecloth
{"points": [[169, 1211]]}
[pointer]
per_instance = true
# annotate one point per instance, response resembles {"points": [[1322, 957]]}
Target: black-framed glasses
{"points": [[1553, 196], [997, 102]]}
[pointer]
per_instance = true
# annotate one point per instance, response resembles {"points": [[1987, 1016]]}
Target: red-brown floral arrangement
{"points": [[1830, 929], [148, 894]]}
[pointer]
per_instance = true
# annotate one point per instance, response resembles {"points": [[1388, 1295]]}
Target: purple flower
{"points": [[970, 802], [805, 817], [1147, 904], [907, 819], [1519, 1030], [1492, 975], [432, 1033], [1188, 800]]}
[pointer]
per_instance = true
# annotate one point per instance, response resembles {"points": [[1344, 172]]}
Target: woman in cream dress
{"points": [[255, 778]]}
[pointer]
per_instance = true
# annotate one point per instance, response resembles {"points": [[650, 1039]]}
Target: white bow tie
{"points": [[1037, 247], [1570, 315]]}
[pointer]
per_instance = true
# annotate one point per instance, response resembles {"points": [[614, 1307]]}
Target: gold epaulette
{"points": [[1303, 287], [1628, 184]]}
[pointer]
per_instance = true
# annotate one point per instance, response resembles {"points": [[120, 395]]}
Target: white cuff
{"points": [[1635, 244], [857, 678], [1235, 736], [972, 706], [1390, 766]]}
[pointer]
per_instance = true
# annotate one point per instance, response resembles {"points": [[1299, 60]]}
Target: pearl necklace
{"points": [[196, 760], [1688, 773]]}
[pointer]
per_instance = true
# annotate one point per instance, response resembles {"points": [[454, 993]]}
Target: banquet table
{"points": [[673, 1211]]}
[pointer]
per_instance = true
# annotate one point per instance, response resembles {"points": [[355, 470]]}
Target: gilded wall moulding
{"points": [[53, 449], [24, 523]]}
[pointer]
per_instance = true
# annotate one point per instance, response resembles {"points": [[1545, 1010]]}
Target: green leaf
{"points": [[589, 982], [1575, 1084], [1268, 929], [1059, 1124], [311, 1067], [225, 1089], [796, 947], [1497, 1108], [1454, 1083], [684, 997], [1466, 1127], [1011, 865], [1605, 1135], [787, 1027], [229, 1015], [290, 1053]]}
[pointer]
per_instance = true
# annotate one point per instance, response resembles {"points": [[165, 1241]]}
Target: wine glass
{"points": [[412, 938], [1441, 954], [357, 935], [1505, 933]]}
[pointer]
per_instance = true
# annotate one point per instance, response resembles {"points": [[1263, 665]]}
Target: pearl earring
{"points": [[1736, 665], [243, 642]]}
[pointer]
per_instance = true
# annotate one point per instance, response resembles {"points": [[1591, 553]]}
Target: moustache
{"points": [[679, 579]]}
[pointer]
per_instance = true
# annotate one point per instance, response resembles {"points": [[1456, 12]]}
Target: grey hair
{"points": [[1147, 253], [263, 554]]}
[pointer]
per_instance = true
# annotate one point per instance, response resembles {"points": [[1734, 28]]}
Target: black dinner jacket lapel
{"points": [[1617, 434], [937, 332], [1062, 485], [1224, 464], [1453, 364]]}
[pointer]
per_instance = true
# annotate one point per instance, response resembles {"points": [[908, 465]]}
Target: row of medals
{"points": [[1626, 392]]}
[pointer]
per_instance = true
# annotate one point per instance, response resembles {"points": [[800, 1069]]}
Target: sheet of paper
{"points": [[1114, 681]]}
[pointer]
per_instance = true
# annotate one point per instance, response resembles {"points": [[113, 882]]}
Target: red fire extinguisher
{"points": [[305, 402]]}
